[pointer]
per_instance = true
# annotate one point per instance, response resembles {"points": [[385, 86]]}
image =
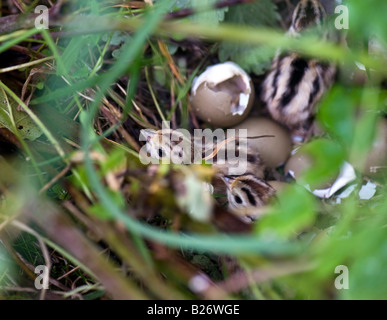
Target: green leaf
{"points": [[115, 160], [367, 271], [205, 12], [23, 124], [327, 157], [74, 56], [208, 15], [116, 53], [117, 38], [340, 121], [294, 211], [360, 13], [257, 13], [367, 263], [255, 59], [71, 54], [361, 247], [81, 73], [99, 211]]}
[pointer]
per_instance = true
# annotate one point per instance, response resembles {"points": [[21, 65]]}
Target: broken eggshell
{"points": [[299, 162], [376, 163], [222, 95], [346, 175]]}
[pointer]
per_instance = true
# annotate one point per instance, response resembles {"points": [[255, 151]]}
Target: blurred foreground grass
{"points": [[75, 197]]}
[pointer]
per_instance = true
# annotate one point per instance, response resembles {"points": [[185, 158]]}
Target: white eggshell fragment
{"points": [[222, 95], [367, 191], [347, 174]]}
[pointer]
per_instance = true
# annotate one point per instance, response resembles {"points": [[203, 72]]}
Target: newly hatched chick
{"points": [[168, 144], [295, 84], [174, 146], [247, 196]]}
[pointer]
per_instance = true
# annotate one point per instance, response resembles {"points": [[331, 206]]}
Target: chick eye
{"points": [[161, 152], [238, 200]]}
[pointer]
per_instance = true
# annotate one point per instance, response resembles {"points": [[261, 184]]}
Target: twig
{"points": [[55, 179], [154, 96], [25, 65]]}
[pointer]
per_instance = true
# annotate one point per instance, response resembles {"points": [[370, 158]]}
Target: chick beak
{"points": [[228, 181]]}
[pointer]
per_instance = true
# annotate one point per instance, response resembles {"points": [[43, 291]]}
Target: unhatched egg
{"points": [[222, 95], [273, 150], [278, 185]]}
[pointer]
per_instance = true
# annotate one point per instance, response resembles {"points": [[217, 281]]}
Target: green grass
{"points": [[113, 226]]}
